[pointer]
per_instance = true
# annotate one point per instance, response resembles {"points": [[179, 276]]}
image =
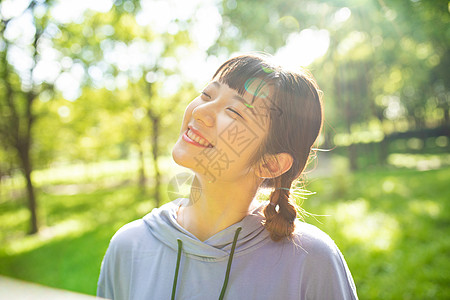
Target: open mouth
{"points": [[190, 137]]}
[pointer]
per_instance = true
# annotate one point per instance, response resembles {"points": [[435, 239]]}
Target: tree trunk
{"points": [[446, 121], [24, 153], [155, 156], [141, 176], [17, 131], [351, 150], [383, 147], [353, 155]]}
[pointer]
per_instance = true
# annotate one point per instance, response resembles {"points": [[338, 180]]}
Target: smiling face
{"points": [[222, 130]]}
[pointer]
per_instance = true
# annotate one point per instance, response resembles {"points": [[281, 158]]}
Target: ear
{"points": [[272, 166]]}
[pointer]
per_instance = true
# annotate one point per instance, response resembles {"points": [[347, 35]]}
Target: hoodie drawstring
{"points": [[174, 286], [227, 274], [230, 259]]}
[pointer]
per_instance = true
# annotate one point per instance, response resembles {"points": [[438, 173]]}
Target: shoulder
{"points": [[328, 275], [115, 268], [139, 229], [313, 240], [129, 235], [319, 249]]}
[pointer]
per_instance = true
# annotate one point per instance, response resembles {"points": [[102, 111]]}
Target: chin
{"points": [[176, 159], [179, 155], [176, 153]]}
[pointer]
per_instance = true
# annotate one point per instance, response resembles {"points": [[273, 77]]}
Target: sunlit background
{"points": [[92, 94]]}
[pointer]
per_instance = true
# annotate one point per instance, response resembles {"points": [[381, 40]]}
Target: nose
{"points": [[205, 114]]}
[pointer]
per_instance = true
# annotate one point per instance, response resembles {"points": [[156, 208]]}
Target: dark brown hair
{"points": [[295, 123]]}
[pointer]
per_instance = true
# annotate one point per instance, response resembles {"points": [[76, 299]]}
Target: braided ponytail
{"points": [[280, 223]]}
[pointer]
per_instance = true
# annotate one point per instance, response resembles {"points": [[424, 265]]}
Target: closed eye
{"points": [[205, 95], [232, 110]]}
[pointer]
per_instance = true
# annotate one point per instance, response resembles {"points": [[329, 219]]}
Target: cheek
{"points": [[188, 114]]}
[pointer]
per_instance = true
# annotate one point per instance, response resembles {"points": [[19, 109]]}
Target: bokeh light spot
{"points": [[375, 230]]}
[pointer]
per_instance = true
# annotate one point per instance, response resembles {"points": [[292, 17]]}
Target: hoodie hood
{"points": [[162, 223]]}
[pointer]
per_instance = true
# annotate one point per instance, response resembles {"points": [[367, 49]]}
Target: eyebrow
{"points": [[237, 97]]}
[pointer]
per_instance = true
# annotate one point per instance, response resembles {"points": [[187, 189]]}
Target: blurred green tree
{"points": [[20, 91], [107, 98], [386, 66], [135, 89]]}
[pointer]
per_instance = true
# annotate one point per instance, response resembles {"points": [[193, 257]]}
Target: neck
{"points": [[216, 206]]}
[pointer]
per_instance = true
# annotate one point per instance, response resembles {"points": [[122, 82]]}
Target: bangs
{"points": [[247, 74]]}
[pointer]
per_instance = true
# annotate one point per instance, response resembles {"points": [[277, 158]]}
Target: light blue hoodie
{"points": [[156, 258]]}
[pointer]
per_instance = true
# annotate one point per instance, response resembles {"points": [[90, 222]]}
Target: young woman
{"points": [[252, 126]]}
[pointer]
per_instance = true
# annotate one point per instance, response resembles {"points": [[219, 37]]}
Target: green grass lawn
{"points": [[67, 252], [392, 227]]}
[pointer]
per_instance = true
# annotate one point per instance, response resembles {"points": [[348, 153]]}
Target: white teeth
{"points": [[197, 139]]}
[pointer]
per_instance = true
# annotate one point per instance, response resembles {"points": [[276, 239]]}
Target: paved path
{"points": [[12, 289]]}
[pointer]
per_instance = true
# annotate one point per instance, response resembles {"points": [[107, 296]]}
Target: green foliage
{"points": [[392, 227], [385, 61], [265, 25]]}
